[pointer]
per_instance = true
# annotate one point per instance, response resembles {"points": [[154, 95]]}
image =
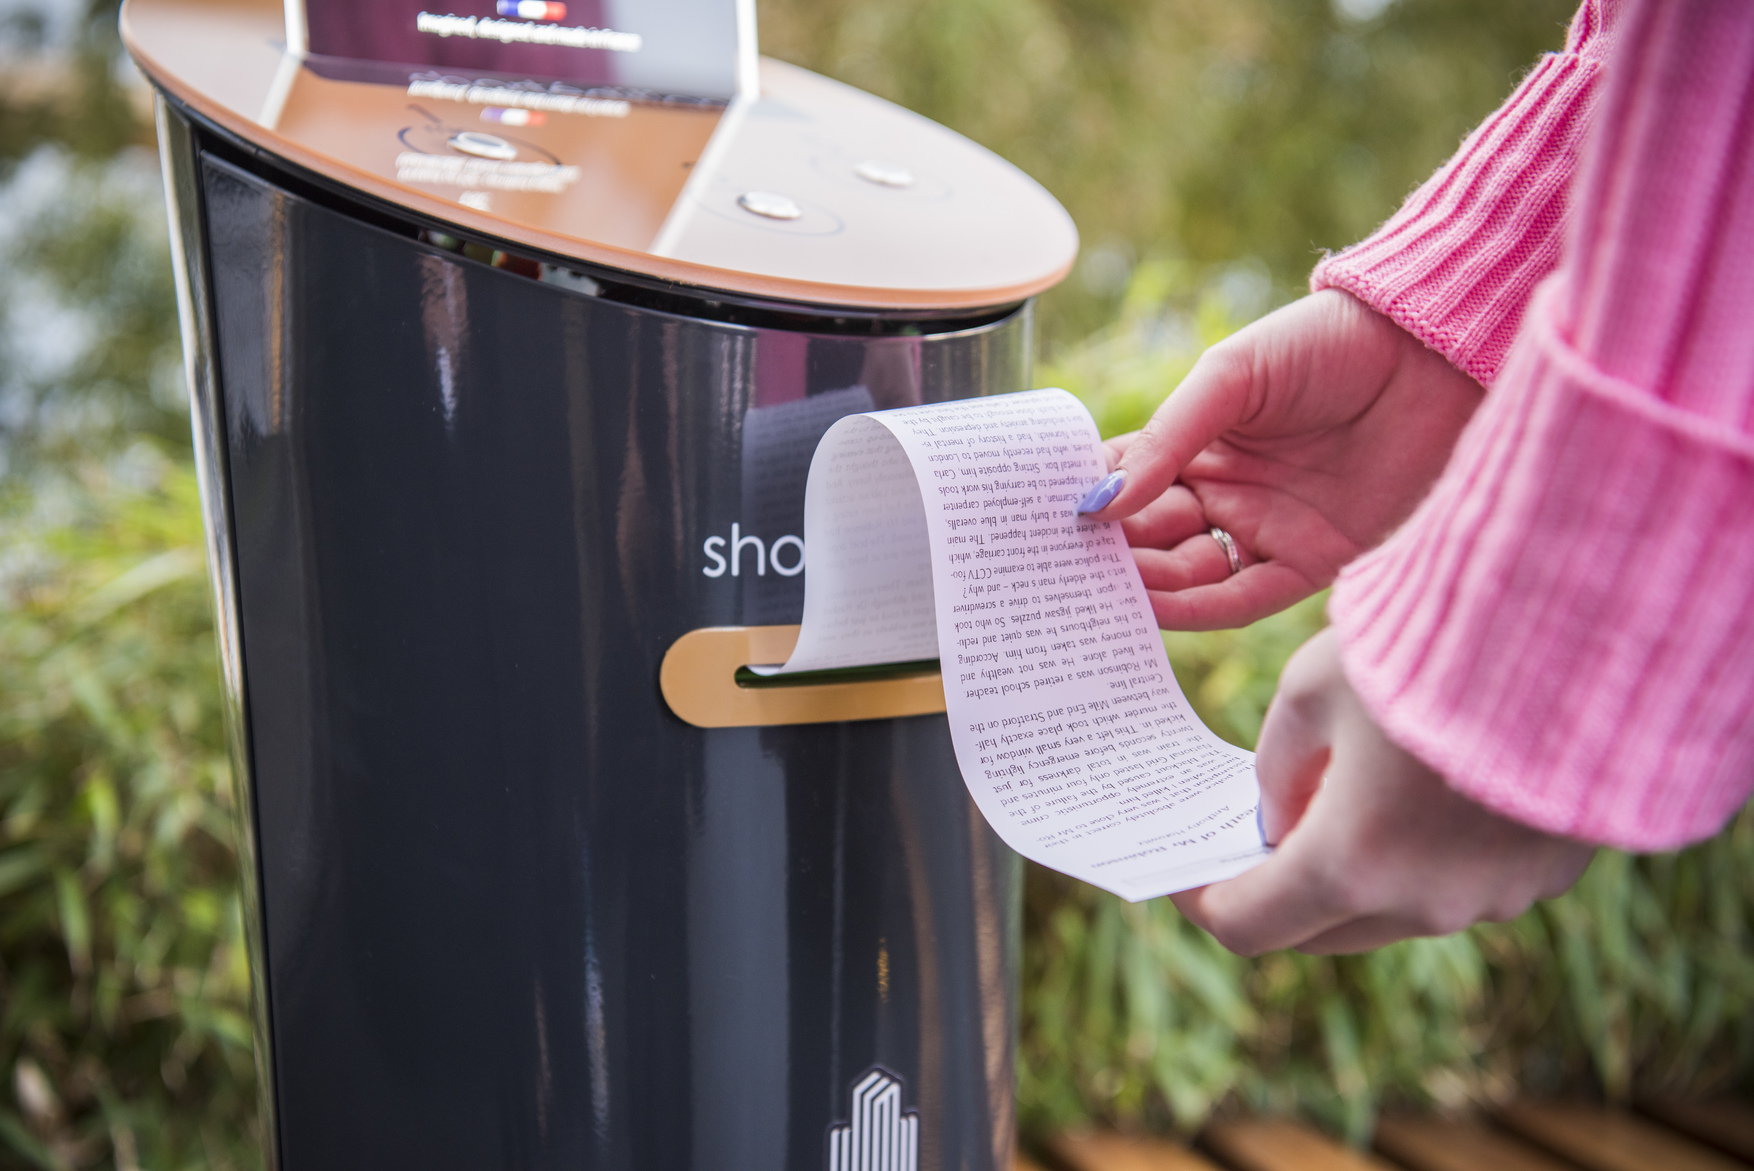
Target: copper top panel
{"points": [[867, 204]]}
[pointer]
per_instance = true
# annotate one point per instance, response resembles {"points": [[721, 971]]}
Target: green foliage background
{"points": [[125, 1024], [1207, 149]]}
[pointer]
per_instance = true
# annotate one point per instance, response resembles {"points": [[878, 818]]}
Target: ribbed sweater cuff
{"points": [[1456, 265], [1564, 629]]}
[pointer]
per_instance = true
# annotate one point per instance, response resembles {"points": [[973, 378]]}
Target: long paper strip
{"points": [[949, 530]]}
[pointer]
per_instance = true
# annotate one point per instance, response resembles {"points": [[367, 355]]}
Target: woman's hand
{"points": [[1373, 846], [1308, 436]]}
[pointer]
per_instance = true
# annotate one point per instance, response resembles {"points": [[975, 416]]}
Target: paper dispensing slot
{"points": [[699, 682]]}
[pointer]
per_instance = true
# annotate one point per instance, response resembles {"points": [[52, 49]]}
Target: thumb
{"points": [[1297, 739], [1214, 397], [1116, 447]]}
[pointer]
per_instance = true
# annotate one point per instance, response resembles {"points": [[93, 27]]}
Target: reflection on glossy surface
{"points": [[766, 203], [177, 158], [517, 914], [619, 173]]}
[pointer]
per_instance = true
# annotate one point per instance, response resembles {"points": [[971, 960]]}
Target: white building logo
{"points": [[879, 1136]]}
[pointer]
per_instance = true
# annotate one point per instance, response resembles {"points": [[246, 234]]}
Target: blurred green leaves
{"points": [[124, 1026], [63, 82], [1133, 1017], [89, 354], [123, 974]]}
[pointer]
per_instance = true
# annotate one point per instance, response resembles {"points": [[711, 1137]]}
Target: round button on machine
{"points": [[485, 146], [884, 174], [766, 203]]}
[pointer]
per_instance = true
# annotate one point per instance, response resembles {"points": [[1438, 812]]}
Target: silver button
{"points": [[884, 174], [486, 146], [766, 203]]}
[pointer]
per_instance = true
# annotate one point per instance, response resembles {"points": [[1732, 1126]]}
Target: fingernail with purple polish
{"points": [[1105, 491]]}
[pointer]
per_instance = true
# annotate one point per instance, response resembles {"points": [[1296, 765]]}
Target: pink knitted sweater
{"points": [[1565, 627]]}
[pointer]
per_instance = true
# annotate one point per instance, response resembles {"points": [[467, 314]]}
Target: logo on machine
{"points": [[879, 1136], [763, 556]]}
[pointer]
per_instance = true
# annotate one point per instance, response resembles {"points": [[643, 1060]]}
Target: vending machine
{"points": [[510, 332]]}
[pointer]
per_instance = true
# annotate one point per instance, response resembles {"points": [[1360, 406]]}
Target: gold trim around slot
{"points": [[699, 682]]}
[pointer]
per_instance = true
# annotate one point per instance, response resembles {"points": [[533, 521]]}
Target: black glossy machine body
{"points": [[511, 912]]}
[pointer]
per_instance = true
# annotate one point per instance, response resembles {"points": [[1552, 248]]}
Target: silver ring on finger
{"points": [[1227, 543]]}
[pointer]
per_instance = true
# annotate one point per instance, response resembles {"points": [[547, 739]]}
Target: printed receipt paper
{"points": [[949, 530]]}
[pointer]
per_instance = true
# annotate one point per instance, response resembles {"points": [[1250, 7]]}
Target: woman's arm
{"points": [[1565, 628], [1311, 434], [1558, 648], [1456, 265]]}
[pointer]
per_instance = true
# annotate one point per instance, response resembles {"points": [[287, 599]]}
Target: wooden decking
{"points": [[1668, 1136]]}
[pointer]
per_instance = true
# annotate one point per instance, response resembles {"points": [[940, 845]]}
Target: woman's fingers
{"points": [[1375, 846], [1212, 399], [1236, 600], [1253, 920], [1278, 904], [1116, 447], [1297, 736], [1493, 889], [1167, 521], [1197, 560], [1365, 933]]}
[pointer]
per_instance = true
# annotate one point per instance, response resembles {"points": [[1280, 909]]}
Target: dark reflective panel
{"points": [[517, 914]]}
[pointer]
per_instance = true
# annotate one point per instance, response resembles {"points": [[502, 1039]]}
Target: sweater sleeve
{"points": [[1565, 627], [1456, 265]]}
